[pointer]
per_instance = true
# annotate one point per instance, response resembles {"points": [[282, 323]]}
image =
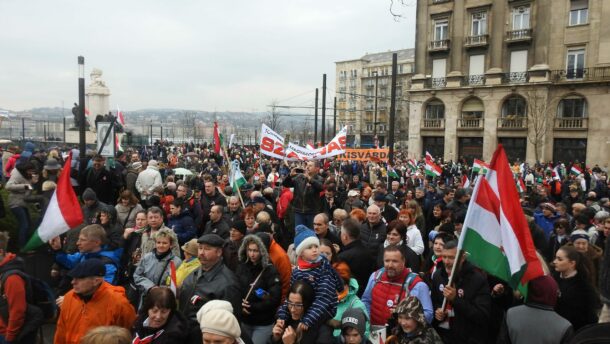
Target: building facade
{"points": [[533, 75], [363, 91]]}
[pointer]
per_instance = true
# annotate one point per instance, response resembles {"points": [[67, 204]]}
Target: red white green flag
{"points": [[479, 166], [429, 156], [575, 170], [520, 185], [465, 181], [432, 169], [173, 285], [217, 143], [496, 235], [412, 164]]}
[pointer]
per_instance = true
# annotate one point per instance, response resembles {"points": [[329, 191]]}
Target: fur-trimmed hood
{"points": [[253, 239]]}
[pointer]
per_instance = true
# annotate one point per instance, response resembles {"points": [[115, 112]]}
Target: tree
{"points": [[540, 118], [273, 119]]}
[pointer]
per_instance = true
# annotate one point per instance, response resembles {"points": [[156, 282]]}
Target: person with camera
{"points": [[306, 201]]}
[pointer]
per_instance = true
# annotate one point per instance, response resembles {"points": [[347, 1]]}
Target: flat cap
{"points": [[211, 239]]}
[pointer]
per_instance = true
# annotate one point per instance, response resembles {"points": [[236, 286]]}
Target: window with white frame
{"points": [[572, 107], [441, 29], [575, 64], [479, 24], [579, 12], [369, 127], [521, 18]]}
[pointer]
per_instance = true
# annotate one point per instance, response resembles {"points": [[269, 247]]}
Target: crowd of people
{"points": [[304, 252]]}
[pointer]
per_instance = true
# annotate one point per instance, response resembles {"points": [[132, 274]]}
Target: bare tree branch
{"points": [[273, 120]]}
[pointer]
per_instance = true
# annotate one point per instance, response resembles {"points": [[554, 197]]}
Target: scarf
{"points": [[305, 265], [342, 295], [148, 339], [386, 243], [160, 256]]}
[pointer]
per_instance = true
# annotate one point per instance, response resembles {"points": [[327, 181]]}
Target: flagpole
{"points": [[457, 262]]}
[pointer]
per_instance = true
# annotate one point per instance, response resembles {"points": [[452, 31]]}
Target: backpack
{"points": [[410, 281], [38, 293]]}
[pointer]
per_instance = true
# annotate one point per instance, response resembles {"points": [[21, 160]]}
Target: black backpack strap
{"points": [[26, 281]]}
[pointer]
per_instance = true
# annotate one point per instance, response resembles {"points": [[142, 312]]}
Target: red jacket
{"points": [[284, 202], [14, 289], [280, 260]]}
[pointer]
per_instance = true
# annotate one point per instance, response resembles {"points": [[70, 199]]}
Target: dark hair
{"points": [[161, 297], [446, 237], [459, 193], [127, 194], [563, 223], [179, 203], [577, 257], [581, 219], [451, 244], [328, 243], [351, 228], [305, 290], [398, 226]]}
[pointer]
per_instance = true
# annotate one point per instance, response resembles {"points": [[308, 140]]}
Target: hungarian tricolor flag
{"points": [[64, 211], [173, 285], [216, 139], [520, 185], [392, 172], [575, 170], [412, 164], [479, 166], [429, 156], [496, 234], [465, 181], [432, 169]]}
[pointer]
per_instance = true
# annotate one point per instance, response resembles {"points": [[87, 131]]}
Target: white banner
{"points": [[272, 144]]}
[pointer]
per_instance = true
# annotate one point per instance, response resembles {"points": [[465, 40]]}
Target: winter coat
{"points": [[413, 261], [230, 254], [207, 202], [90, 213], [147, 181], [322, 334], [220, 227], [356, 255], [471, 307], [218, 283], [69, 261], [578, 300], [175, 329], [123, 212], [427, 335], [373, 236], [546, 223], [604, 274], [103, 182], [306, 194], [108, 306], [280, 260], [5, 156], [351, 301], [18, 188], [262, 307], [184, 226], [130, 181], [185, 269], [153, 271], [522, 325], [15, 296], [147, 243]]}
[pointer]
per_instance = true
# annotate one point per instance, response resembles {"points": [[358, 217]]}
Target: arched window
{"points": [[435, 110], [572, 107], [473, 109], [514, 107]]}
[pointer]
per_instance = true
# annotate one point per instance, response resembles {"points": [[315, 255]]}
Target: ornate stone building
{"points": [[533, 75], [363, 97]]}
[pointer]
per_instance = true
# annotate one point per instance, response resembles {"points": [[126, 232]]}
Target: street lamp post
{"points": [[82, 144]]}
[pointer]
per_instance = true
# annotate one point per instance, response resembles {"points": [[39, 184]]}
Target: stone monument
{"points": [[98, 97]]}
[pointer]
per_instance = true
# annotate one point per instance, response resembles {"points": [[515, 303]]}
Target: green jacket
{"points": [[351, 300]]}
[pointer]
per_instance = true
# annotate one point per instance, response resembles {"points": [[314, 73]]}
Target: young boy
{"points": [[317, 271]]}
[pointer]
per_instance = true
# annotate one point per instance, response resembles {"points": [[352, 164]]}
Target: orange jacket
{"points": [[280, 260], [107, 307], [15, 294]]}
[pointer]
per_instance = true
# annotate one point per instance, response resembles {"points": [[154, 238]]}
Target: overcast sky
{"points": [[189, 54]]}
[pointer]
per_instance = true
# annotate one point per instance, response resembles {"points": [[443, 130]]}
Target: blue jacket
{"points": [[184, 226], [326, 283], [546, 223], [69, 261]]}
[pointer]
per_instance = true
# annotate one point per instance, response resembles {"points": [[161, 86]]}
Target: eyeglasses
{"points": [[294, 305]]}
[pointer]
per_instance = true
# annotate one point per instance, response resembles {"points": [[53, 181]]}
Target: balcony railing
{"points": [[436, 83], [582, 74], [440, 45], [433, 123], [476, 41], [571, 123], [517, 123], [473, 80], [515, 78], [519, 35], [473, 123]]}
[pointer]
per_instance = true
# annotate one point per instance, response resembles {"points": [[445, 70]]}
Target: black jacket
{"points": [[207, 202], [221, 228], [578, 301], [373, 237], [306, 199], [472, 305], [174, 331], [262, 308], [356, 255], [103, 182]]}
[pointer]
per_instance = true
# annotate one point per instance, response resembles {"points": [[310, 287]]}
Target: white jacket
{"points": [[414, 240], [147, 181]]}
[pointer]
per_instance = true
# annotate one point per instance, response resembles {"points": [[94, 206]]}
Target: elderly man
{"points": [[214, 281], [388, 212], [148, 180], [373, 230], [92, 302]]}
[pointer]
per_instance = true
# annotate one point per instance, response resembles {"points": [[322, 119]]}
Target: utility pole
{"points": [[323, 109], [64, 129], [315, 124], [375, 118], [335, 117], [22, 129], [392, 109], [82, 143]]}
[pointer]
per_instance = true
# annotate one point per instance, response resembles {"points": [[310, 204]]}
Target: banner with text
{"points": [[374, 155], [272, 144]]}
